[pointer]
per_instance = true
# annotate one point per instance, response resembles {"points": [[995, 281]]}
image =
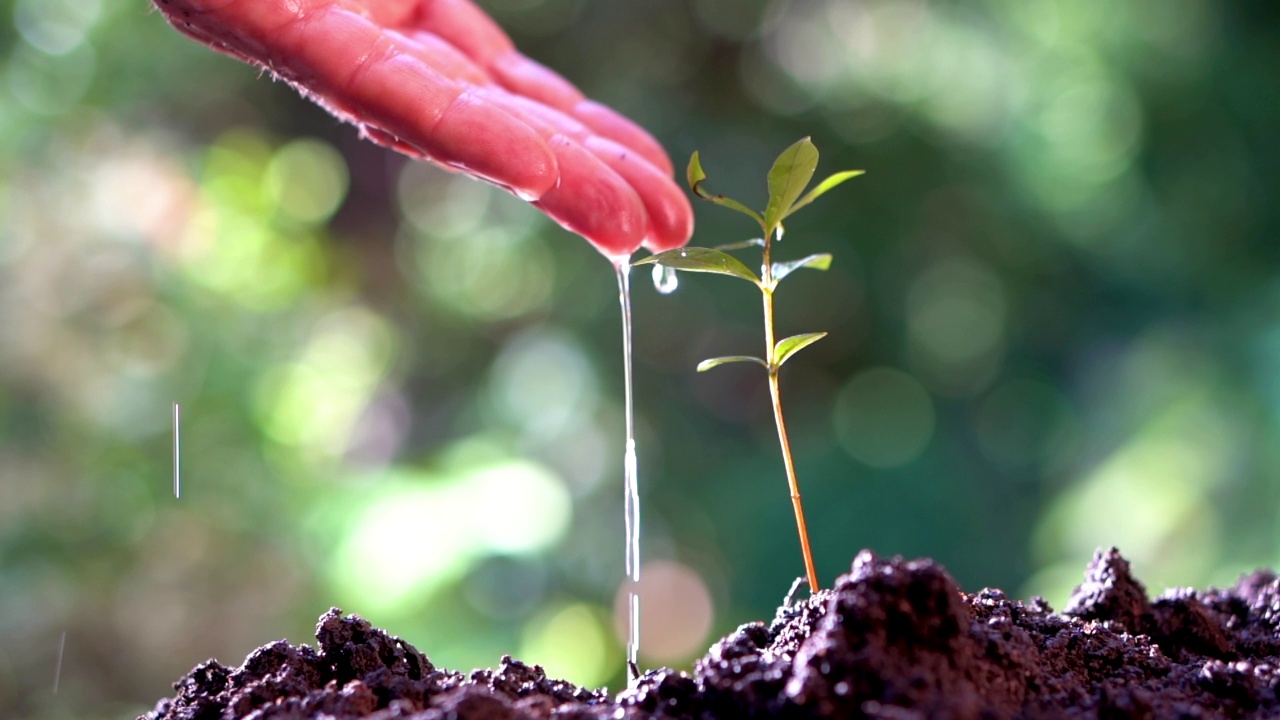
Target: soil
{"points": [[894, 639]]}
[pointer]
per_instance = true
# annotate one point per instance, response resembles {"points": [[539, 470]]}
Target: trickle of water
{"points": [[631, 492], [631, 506], [665, 279], [177, 448], [57, 673]]}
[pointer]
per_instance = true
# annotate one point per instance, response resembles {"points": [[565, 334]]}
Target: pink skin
{"points": [[438, 80]]}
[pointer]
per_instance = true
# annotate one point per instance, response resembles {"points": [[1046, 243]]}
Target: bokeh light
{"points": [[570, 642], [676, 612], [884, 417], [413, 535], [955, 320], [307, 179], [313, 402]]}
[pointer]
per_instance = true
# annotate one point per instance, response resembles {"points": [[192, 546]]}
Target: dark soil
{"points": [[894, 639]]}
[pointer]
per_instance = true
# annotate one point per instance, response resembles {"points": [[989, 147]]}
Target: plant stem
{"points": [[766, 288]]}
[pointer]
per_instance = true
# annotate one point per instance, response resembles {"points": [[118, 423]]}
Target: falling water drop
{"points": [[57, 673], [631, 493], [177, 447], [665, 279]]}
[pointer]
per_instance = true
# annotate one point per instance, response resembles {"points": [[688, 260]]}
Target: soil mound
{"points": [[893, 639]]}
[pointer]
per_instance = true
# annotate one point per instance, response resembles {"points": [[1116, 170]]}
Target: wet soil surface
{"points": [[894, 639]]}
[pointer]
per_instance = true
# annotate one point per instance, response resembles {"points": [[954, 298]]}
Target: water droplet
{"points": [[665, 279], [525, 195]]}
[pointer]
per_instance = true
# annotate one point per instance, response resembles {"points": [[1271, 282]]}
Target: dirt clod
{"points": [[893, 639]]}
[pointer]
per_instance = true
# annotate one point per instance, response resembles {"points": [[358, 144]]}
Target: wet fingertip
{"points": [[669, 211], [593, 201], [484, 140], [671, 217], [659, 243], [675, 229]]}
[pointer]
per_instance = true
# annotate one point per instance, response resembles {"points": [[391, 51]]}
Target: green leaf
{"points": [[787, 347], [696, 177], [709, 363], [824, 186], [820, 261], [741, 245], [696, 259], [789, 176]]}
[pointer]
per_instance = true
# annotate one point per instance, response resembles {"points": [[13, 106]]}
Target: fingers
{"points": [[384, 82], [378, 78], [462, 24], [480, 138], [439, 80], [531, 79], [668, 217], [668, 209]]}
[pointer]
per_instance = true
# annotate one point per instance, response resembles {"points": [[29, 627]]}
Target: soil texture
{"points": [[894, 639]]}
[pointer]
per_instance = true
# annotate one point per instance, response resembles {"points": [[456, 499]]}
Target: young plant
{"points": [[790, 175]]}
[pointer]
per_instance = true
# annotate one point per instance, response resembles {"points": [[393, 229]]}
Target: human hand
{"points": [[440, 81]]}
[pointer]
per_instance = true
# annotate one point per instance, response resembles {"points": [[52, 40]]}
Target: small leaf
{"points": [[824, 186], [709, 363], [787, 347], [789, 176], [696, 177], [696, 259], [741, 245], [820, 261]]}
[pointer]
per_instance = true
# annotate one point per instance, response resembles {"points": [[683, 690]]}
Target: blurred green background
{"points": [[1054, 318]]}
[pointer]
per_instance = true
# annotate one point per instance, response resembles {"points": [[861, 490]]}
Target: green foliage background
{"points": [[1054, 318]]}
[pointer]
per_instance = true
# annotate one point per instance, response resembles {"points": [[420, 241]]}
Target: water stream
{"points": [[631, 493], [665, 279]]}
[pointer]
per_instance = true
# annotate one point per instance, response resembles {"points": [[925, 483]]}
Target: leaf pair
{"points": [[782, 351], [788, 178]]}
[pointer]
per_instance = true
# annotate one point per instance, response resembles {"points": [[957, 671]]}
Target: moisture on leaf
{"points": [[789, 176], [787, 347], [707, 260], [696, 177], [818, 261], [709, 363]]}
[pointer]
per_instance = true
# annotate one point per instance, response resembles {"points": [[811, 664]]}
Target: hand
{"points": [[440, 81]]}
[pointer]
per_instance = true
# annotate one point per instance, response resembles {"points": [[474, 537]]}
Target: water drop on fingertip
{"points": [[525, 195], [665, 279]]}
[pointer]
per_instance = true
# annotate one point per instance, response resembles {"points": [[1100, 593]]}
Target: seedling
{"points": [[788, 179]]}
